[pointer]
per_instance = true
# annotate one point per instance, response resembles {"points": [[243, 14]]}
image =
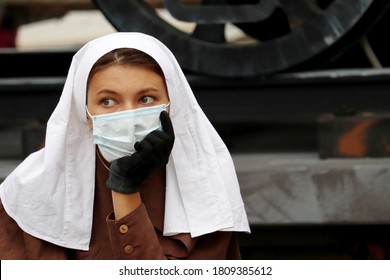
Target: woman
{"points": [[169, 192]]}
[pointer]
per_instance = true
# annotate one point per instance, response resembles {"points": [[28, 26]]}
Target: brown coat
{"points": [[135, 236]]}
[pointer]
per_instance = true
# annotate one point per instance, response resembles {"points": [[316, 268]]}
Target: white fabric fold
{"points": [[50, 194]]}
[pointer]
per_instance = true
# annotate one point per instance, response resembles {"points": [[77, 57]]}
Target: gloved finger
{"points": [[138, 146], [149, 138], [167, 124], [146, 143], [159, 140]]}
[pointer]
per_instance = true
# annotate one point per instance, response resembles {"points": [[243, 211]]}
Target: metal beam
{"points": [[285, 97]]}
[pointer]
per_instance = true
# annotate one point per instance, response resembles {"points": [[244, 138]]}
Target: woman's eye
{"points": [[146, 99], [108, 102]]}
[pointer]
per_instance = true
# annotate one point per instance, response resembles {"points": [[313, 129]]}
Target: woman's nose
{"points": [[128, 106]]}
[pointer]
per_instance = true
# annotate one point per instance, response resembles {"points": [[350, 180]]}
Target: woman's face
{"points": [[122, 87]]}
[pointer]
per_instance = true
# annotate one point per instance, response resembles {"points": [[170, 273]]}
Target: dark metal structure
{"points": [[286, 34], [283, 81]]}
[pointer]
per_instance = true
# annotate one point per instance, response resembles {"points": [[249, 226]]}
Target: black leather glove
{"points": [[128, 173]]}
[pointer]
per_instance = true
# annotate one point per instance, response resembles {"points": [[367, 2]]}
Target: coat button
{"points": [[123, 229], [128, 249]]}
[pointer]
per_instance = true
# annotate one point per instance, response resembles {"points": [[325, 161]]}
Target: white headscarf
{"points": [[50, 194]]}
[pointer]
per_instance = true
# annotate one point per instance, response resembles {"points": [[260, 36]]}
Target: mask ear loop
{"points": [[88, 113]]}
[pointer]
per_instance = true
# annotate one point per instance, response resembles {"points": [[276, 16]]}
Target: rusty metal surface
{"points": [[349, 134], [302, 189]]}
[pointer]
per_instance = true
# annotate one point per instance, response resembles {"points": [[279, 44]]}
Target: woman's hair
{"points": [[126, 56]]}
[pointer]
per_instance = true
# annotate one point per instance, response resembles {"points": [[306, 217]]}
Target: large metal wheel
{"points": [[281, 34]]}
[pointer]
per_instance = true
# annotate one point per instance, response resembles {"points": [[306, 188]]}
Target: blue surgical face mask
{"points": [[116, 133]]}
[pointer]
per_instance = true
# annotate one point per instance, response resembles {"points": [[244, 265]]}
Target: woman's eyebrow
{"points": [[140, 92], [105, 90], [144, 90]]}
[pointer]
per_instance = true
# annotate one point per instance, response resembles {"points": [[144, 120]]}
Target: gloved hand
{"points": [[128, 173]]}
